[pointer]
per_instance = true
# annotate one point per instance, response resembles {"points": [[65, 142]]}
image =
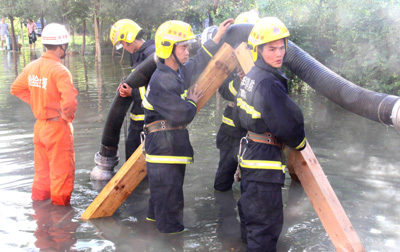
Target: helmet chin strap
{"points": [[64, 50], [176, 58]]}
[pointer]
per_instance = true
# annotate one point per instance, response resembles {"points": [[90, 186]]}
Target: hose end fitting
{"points": [[104, 169], [396, 115]]}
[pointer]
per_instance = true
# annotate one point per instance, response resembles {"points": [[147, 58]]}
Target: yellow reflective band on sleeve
{"points": [[192, 102], [249, 109], [232, 88], [228, 121], [205, 49], [133, 70], [137, 117], [301, 145], [146, 104], [184, 95], [262, 164], [168, 159], [142, 91]]}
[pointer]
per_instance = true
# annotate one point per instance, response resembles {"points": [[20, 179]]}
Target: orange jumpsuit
{"points": [[46, 84]]}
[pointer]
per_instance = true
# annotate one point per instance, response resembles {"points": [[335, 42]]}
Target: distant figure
{"points": [[47, 86], [3, 32], [31, 33]]}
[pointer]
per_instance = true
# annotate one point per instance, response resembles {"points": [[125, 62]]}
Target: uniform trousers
{"points": [[228, 151], [54, 159], [166, 196], [261, 215], [133, 139]]}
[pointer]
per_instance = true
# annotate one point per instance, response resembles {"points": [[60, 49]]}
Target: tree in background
{"points": [[11, 9], [79, 12], [358, 39]]}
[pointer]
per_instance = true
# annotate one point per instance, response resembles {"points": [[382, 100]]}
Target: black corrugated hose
{"points": [[372, 105]]}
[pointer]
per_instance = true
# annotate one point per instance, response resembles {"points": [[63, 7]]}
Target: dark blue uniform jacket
{"points": [[137, 113], [166, 100], [228, 91], [263, 105]]}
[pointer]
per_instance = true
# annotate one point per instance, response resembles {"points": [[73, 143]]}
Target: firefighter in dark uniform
{"points": [[129, 35], [169, 107], [228, 136], [272, 119]]}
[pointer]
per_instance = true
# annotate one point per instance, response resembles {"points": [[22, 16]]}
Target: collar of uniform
{"points": [[263, 65], [161, 66], [49, 55], [145, 45]]}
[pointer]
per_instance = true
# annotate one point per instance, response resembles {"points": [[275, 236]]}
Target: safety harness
{"points": [[159, 126], [265, 138], [155, 126]]}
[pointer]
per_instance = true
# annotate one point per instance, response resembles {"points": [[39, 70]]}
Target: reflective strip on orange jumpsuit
{"points": [[47, 86]]}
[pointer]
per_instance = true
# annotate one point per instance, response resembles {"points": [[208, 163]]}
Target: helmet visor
{"points": [[190, 41], [118, 45]]}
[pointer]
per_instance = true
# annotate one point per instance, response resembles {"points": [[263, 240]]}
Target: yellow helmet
{"points": [[266, 30], [170, 33], [248, 17], [124, 30]]}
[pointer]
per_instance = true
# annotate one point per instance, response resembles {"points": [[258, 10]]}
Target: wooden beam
{"points": [[133, 171], [324, 200], [118, 188], [244, 57], [305, 167]]}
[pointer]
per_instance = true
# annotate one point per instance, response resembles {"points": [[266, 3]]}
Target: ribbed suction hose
{"points": [[369, 104], [107, 158], [375, 106]]}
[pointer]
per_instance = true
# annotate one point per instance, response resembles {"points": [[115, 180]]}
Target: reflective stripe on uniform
{"points": [[183, 96], [142, 91], [146, 104], [262, 164], [192, 102], [168, 159], [137, 117], [205, 49], [228, 121], [232, 88], [301, 145], [249, 109]]}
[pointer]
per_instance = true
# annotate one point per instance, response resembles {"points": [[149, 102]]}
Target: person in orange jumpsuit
{"points": [[46, 84]]}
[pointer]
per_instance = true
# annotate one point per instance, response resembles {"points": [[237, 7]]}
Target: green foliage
{"points": [[358, 39]]}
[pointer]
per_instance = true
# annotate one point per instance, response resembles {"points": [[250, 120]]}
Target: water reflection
{"points": [[228, 229], [55, 228]]}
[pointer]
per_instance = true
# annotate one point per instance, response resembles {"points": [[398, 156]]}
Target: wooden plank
{"points": [[119, 187], [244, 57], [217, 70], [133, 171], [305, 167], [324, 200]]}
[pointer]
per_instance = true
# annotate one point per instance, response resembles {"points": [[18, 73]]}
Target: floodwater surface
{"points": [[359, 157]]}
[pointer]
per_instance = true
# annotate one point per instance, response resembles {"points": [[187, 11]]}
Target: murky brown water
{"points": [[359, 157]]}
